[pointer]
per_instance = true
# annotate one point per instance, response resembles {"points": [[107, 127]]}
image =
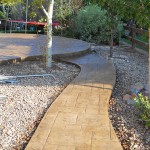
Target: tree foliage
{"points": [[92, 24], [5, 3], [9, 2], [2, 12], [137, 9]]}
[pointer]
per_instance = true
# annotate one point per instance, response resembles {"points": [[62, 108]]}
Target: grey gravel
{"points": [[28, 99], [131, 68]]}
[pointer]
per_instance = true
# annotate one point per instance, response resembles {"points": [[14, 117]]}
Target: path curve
{"points": [[78, 119]]}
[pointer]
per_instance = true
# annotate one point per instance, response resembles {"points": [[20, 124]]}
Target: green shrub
{"points": [[2, 15], [92, 24], [143, 103]]}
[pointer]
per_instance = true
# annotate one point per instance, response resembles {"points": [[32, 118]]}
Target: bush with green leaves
{"points": [[143, 104], [92, 24], [2, 15]]}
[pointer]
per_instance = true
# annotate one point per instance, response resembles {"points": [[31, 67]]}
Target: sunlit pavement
{"points": [[78, 119]]}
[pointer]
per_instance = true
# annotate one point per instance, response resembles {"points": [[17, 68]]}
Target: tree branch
{"points": [[44, 10], [142, 4], [50, 8]]}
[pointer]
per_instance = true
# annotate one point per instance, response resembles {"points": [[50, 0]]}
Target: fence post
{"points": [[149, 65], [133, 36]]}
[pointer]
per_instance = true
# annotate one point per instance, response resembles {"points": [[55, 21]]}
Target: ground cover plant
{"points": [[143, 103]]}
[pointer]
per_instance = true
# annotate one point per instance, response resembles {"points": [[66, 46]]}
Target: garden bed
{"points": [[29, 98], [131, 68]]}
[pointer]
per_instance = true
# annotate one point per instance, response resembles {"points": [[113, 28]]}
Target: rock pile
{"points": [[134, 91], [131, 69]]}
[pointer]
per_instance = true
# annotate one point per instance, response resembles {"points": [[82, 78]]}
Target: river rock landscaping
{"points": [[23, 103], [132, 71]]}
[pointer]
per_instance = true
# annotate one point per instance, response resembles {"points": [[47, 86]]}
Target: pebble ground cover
{"points": [[131, 68], [28, 99]]}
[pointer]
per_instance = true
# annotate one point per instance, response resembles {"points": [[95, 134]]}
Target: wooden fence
{"points": [[131, 35]]}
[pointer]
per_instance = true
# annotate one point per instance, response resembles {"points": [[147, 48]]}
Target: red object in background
{"points": [[34, 22]]}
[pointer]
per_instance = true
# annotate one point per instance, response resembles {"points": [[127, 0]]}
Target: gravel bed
{"points": [[131, 67], [29, 99]]}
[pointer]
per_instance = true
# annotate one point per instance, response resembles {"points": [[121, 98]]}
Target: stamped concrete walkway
{"points": [[78, 119]]}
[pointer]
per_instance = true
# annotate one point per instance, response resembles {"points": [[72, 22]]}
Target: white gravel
{"points": [[28, 99], [131, 68]]}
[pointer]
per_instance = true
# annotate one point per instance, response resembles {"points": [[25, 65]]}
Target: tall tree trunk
{"points": [[26, 25], [7, 13], [49, 15], [49, 43], [111, 42], [61, 11], [49, 34], [149, 62]]}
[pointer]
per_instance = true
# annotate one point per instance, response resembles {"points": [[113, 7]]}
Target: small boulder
{"points": [[126, 97], [131, 102], [138, 86], [135, 91], [133, 96]]}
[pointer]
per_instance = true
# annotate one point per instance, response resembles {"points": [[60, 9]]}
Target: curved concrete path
{"points": [[78, 118]]}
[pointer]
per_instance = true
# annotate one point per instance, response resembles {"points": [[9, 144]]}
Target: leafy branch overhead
{"points": [[10, 2], [139, 9]]}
